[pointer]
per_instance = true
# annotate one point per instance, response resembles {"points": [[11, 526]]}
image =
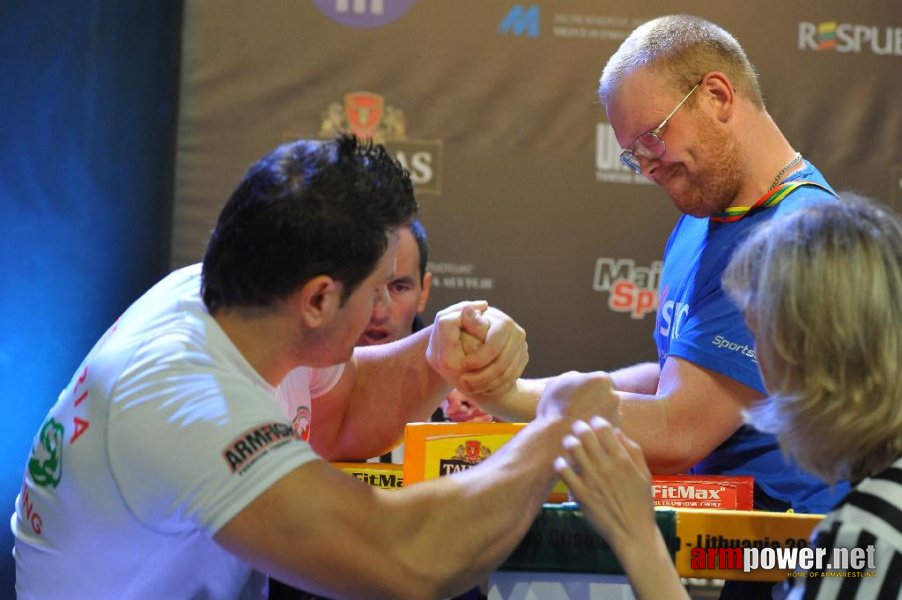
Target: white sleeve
{"points": [[323, 380], [191, 450]]}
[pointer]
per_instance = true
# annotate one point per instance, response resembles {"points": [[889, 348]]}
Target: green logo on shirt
{"points": [[46, 463]]}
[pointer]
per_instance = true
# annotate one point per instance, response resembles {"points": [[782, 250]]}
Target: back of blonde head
{"points": [[683, 48], [822, 292]]}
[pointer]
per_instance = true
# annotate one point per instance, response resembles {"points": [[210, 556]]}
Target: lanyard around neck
{"points": [[771, 198]]}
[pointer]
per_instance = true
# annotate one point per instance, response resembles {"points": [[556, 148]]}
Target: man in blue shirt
{"points": [[685, 104], [684, 101]]}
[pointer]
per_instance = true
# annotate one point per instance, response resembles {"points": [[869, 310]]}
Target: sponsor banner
{"points": [[369, 117], [631, 288], [364, 14], [852, 38], [521, 20], [511, 145], [525, 20], [613, 28], [458, 276]]}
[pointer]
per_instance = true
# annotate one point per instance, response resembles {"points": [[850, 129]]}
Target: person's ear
{"points": [[318, 300], [424, 293], [717, 88]]}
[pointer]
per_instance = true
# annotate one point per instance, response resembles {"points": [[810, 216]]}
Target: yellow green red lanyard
{"points": [[771, 198]]}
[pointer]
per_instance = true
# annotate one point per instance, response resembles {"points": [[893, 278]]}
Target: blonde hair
{"points": [[822, 292], [684, 48]]}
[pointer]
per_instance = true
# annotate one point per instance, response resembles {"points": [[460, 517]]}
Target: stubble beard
{"points": [[715, 184]]}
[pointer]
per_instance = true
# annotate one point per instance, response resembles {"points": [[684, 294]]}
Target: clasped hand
{"points": [[477, 349]]}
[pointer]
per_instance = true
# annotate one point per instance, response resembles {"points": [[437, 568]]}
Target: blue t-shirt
{"points": [[697, 322]]}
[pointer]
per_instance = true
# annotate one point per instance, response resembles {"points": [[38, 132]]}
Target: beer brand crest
{"points": [[472, 451], [366, 115]]}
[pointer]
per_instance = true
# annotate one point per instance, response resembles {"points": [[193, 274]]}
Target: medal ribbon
{"points": [[771, 198]]}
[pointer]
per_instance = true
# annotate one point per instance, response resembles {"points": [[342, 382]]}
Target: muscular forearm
{"points": [[481, 500], [392, 386], [691, 413]]}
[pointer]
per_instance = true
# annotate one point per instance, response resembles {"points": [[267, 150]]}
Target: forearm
{"points": [[481, 500], [394, 385], [518, 405], [650, 569], [645, 418], [641, 378], [643, 415]]}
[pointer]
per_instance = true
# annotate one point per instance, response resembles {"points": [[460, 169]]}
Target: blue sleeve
{"points": [[713, 335]]}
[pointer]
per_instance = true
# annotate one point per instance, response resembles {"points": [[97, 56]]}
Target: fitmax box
{"points": [[388, 476]]}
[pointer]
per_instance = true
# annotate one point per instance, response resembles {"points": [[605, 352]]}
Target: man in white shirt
{"points": [[184, 458]]}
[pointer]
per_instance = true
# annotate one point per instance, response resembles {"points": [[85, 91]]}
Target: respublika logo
{"points": [[364, 13], [830, 36], [632, 289], [367, 116], [520, 20], [608, 168]]}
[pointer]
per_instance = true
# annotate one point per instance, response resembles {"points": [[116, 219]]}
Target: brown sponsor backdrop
{"points": [[491, 104]]}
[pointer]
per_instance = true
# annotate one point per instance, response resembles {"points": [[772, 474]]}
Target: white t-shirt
{"points": [[163, 435]]}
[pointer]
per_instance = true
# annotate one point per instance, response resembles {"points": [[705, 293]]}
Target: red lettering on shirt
{"points": [[31, 515], [81, 426]]}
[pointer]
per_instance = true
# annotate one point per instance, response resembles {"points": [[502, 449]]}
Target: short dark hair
{"points": [[419, 235], [307, 208]]}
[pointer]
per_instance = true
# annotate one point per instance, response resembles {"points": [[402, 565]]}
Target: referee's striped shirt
{"points": [[871, 515]]}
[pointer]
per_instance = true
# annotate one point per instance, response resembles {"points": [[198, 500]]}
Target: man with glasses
{"points": [[684, 101]]}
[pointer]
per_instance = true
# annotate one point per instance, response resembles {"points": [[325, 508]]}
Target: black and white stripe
{"points": [[871, 515]]}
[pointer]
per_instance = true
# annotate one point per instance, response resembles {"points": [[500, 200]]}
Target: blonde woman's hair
{"points": [[822, 292], [683, 48]]}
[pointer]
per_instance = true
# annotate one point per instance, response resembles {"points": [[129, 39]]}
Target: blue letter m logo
{"points": [[520, 21]]}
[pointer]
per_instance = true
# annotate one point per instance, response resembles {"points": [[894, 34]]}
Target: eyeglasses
{"points": [[649, 145]]}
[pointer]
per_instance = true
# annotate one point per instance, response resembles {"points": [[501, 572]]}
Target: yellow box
{"points": [[388, 476], [432, 450]]}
